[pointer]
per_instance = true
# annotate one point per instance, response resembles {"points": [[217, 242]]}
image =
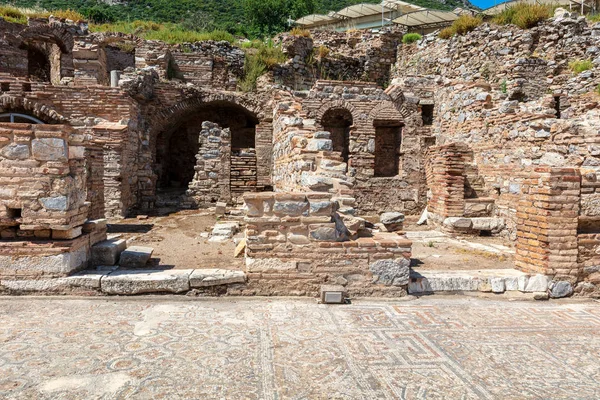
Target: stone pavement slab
{"points": [[262, 348]]}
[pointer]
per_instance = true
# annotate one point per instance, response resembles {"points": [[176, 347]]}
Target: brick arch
{"points": [[40, 111], [336, 105], [166, 116], [61, 37], [386, 111]]}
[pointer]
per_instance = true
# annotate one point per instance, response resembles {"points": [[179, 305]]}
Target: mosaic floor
{"points": [[173, 348]]}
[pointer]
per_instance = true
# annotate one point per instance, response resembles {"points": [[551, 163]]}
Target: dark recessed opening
{"points": [[557, 106], [485, 233], [14, 213], [5, 86], [387, 148], [427, 114], [27, 87]]}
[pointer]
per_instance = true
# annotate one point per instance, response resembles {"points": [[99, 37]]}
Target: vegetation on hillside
{"points": [[249, 18], [411, 38], [464, 24], [524, 15]]}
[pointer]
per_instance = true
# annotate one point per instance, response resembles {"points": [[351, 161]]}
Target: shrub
{"points": [[323, 51], [578, 66], [68, 14], [260, 58], [411, 38], [524, 15], [300, 32], [464, 24], [593, 18], [446, 33], [12, 14]]}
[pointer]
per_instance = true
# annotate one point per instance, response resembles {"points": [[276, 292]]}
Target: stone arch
{"points": [[41, 111]]}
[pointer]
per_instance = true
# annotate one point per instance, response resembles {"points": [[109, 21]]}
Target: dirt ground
{"points": [[180, 240], [432, 251]]}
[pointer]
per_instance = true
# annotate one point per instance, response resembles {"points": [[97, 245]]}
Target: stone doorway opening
{"points": [[338, 121], [388, 136], [192, 154]]}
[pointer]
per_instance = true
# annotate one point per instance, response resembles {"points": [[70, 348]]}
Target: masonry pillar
{"points": [[445, 169], [547, 218]]}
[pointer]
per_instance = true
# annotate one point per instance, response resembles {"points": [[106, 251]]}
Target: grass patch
{"points": [[593, 18], [69, 14], [300, 32], [12, 14], [578, 66], [168, 32], [464, 24], [260, 58], [322, 51], [524, 15], [411, 38]]}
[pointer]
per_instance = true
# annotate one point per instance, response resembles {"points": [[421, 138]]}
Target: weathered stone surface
{"points": [[320, 145], [269, 264], [107, 252], [49, 149], [224, 231], [498, 285], [59, 203], [537, 283], [67, 234], [560, 289], [317, 183], [458, 223], [135, 257], [391, 218], [61, 264], [214, 277], [487, 224], [391, 272], [15, 152], [324, 234], [127, 282]]}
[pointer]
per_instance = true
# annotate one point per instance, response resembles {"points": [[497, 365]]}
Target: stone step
{"points": [[146, 281], [126, 282], [214, 277], [136, 257], [492, 280], [107, 252]]}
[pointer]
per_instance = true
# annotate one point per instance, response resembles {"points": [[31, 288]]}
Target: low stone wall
{"points": [[296, 242]]}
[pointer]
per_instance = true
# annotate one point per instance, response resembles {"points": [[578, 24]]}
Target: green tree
{"points": [[267, 17]]}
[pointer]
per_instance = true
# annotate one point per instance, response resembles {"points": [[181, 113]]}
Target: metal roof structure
{"points": [[501, 7], [316, 19], [426, 18]]}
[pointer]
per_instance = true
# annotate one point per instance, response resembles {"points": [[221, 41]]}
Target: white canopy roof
{"points": [[426, 17], [361, 10], [315, 19]]}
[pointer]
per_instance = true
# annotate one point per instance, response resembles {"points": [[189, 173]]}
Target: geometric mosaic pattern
{"points": [[175, 348]]}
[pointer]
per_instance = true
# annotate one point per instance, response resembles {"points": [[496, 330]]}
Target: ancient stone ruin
{"points": [[486, 134]]}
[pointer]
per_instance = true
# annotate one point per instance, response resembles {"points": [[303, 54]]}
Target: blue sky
{"points": [[486, 3]]}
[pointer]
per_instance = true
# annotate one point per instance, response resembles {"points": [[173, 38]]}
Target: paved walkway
{"points": [[175, 348]]}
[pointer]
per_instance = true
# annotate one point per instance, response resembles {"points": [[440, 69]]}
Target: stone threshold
{"points": [[113, 281], [490, 280]]}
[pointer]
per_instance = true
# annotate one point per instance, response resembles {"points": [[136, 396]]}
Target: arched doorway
{"points": [[190, 155], [338, 122]]}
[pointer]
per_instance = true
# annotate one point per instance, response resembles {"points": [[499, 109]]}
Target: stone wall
{"points": [[296, 242]]}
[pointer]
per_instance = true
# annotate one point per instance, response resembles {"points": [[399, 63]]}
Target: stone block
{"points": [[324, 234], [320, 145], [224, 231], [135, 257], [487, 224], [391, 272], [291, 208], [522, 282], [58, 203], [126, 282], [560, 289], [458, 223], [66, 234], [107, 252], [220, 208], [214, 277], [498, 285], [392, 221], [314, 182], [49, 149], [511, 283], [15, 152], [537, 283]]}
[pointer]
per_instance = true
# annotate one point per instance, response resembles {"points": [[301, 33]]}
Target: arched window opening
{"points": [[19, 118], [338, 122], [387, 148], [38, 64]]}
